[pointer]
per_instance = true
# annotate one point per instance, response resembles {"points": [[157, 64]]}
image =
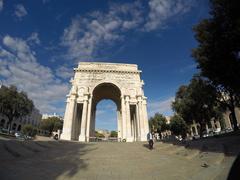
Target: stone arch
{"points": [[118, 82], [105, 90], [106, 81]]}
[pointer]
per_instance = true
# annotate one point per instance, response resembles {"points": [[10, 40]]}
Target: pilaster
{"points": [[128, 121], [89, 118], [69, 118], [82, 136], [123, 109]]}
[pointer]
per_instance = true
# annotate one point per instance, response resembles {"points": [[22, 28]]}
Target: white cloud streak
{"points": [[64, 72], [162, 10], [19, 66], [34, 39], [163, 107], [1, 5], [20, 11], [87, 36]]}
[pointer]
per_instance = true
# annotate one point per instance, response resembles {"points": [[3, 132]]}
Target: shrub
{"points": [[29, 130]]}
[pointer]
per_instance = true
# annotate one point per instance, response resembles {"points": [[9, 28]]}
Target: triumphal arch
{"points": [[94, 81]]}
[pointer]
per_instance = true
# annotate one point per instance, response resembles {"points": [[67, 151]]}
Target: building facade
{"points": [[34, 119], [46, 116]]}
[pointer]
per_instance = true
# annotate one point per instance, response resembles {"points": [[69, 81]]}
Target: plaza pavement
{"points": [[61, 160]]}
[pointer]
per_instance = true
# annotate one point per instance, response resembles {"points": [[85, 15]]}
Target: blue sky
{"points": [[42, 40]]}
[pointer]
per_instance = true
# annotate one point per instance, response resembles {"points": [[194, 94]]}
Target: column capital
{"points": [[123, 98], [139, 98], [71, 98], [144, 102], [85, 98], [127, 98]]}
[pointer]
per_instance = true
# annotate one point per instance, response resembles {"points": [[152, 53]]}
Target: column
{"points": [[138, 123], [196, 129], [218, 125], [94, 121], [82, 136], [89, 118], [145, 119], [207, 130], [119, 125], [128, 121], [74, 123], [141, 119], [124, 127], [68, 118], [91, 124]]}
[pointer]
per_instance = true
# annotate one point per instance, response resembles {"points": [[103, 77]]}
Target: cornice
{"points": [[107, 71]]}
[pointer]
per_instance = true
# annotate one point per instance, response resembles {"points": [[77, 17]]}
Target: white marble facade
{"points": [[94, 81]]}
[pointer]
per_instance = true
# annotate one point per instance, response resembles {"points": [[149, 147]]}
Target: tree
{"points": [[29, 130], [14, 104], [113, 134], [178, 126], [99, 135], [218, 52], [158, 122], [51, 124], [197, 101]]}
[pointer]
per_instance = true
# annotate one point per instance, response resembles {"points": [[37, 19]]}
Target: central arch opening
{"points": [[106, 111], [106, 119]]}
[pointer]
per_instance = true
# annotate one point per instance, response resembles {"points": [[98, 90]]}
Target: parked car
{"points": [[3, 130], [18, 134]]}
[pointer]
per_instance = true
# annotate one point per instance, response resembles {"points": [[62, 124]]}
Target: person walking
{"points": [[150, 140]]}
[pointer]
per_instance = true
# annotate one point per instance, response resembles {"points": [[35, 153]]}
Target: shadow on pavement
{"points": [[146, 146], [42, 159], [228, 144]]}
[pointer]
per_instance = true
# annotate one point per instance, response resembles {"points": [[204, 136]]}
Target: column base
{"points": [[82, 138], [143, 139], [130, 139], [65, 136]]}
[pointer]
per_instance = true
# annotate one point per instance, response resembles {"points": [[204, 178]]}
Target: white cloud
{"points": [[64, 72], [19, 66], [163, 107], [33, 38], [20, 11], [1, 5], [86, 36], [163, 10]]}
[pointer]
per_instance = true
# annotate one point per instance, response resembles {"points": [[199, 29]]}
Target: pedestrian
{"points": [[150, 140]]}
